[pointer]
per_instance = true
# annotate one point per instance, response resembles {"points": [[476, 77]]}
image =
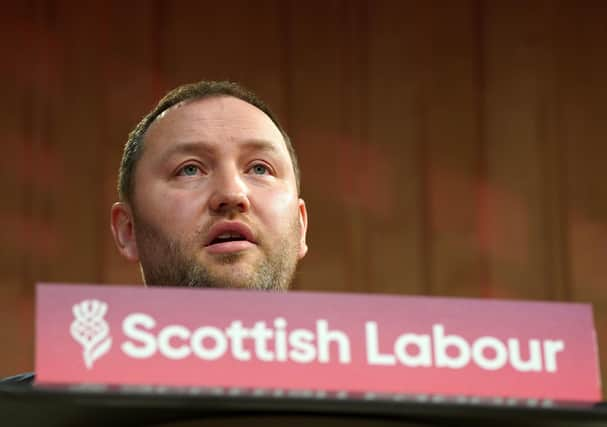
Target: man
{"points": [[209, 194], [209, 190]]}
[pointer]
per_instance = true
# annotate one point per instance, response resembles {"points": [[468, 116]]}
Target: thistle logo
{"points": [[91, 330]]}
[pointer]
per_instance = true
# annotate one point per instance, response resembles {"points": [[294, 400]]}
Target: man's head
{"points": [[209, 193]]}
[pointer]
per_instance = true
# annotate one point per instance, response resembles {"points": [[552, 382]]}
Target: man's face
{"points": [[215, 201]]}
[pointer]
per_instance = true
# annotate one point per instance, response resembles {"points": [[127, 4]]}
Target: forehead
{"points": [[213, 120]]}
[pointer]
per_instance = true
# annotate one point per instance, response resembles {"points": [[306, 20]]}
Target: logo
{"points": [[90, 330]]}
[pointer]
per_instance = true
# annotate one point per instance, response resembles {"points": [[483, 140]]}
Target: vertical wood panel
{"points": [[15, 256], [523, 238], [396, 219], [451, 97], [76, 134], [317, 124], [583, 67], [356, 155], [37, 187]]}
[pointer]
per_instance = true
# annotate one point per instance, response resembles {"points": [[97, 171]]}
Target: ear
{"points": [[303, 225], [123, 231]]}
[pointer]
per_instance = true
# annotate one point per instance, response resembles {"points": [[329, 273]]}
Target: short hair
{"points": [[192, 91]]}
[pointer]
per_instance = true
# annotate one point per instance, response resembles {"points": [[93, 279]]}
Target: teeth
{"points": [[228, 235]]}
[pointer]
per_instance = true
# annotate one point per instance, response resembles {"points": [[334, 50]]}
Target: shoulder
{"points": [[27, 378]]}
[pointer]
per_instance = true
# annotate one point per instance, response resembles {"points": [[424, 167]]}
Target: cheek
{"points": [[170, 209], [277, 208]]}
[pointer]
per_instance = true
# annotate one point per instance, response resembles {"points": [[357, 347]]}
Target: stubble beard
{"points": [[165, 263]]}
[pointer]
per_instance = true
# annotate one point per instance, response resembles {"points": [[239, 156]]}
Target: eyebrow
{"points": [[186, 148], [192, 147], [260, 145]]}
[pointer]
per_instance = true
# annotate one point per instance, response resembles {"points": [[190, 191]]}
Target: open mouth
{"points": [[228, 237]]}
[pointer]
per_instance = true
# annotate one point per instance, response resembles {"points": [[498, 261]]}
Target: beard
{"points": [[165, 262]]}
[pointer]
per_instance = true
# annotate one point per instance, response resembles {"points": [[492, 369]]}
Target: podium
{"points": [[56, 406], [278, 359]]}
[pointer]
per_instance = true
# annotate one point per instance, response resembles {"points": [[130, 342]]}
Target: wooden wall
{"points": [[447, 147]]}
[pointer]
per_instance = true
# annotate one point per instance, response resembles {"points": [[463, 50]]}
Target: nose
{"points": [[230, 193]]}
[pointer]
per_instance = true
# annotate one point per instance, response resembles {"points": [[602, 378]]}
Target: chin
{"points": [[233, 278]]}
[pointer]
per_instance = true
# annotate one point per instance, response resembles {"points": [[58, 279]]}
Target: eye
{"points": [[260, 169], [189, 170]]}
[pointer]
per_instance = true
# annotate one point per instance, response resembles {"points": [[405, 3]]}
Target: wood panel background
{"points": [[447, 147]]}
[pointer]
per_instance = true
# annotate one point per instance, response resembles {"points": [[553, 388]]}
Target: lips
{"points": [[229, 236]]}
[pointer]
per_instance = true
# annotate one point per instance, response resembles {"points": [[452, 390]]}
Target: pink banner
{"points": [[315, 341]]}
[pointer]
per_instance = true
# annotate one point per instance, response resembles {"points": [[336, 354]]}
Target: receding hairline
{"points": [[209, 98]]}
